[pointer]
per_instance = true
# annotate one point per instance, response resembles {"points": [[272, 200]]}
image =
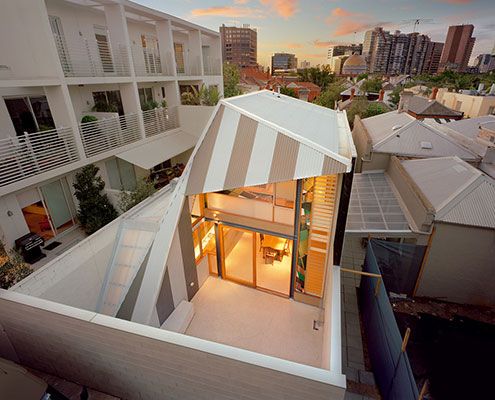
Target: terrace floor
{"points": [[247, 318]]}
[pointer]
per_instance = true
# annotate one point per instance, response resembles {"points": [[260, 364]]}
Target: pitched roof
{"points": [[266, 137], [422, 106], [458, 192], [470, 127], [400, 134]]}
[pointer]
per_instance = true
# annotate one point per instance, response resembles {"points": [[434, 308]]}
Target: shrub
{"points": [[129, 199], [101, 106], [13, 269], [149, 105], [95, 210], [288, 91], [164, 103], [88, 118]]}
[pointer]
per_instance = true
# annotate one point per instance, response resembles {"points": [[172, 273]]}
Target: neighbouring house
{"points": [[232, 270], [472, 105], [443, 204], [93, 82], [422, 107], [306, 91], [399, 133]]}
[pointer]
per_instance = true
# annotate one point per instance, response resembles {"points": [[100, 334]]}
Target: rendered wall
{"points": [[134, 361], [460, 265], [193, 119]]}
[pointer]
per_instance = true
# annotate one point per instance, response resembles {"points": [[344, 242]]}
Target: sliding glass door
{"points": [[59, 204], [238, 255]]}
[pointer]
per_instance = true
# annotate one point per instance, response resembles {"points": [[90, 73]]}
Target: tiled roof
{"points": [[426, 107]]}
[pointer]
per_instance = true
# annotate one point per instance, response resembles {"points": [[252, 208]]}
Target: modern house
{"points": [[472, 105], [92, 82], [398, 133], [421, 107], [225, 283]]}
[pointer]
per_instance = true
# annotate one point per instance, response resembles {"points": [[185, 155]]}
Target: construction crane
{"points": [[416, 22]]}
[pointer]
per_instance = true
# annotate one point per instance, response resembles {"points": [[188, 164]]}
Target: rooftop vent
{"points": [[395, 127], [426, 145]]}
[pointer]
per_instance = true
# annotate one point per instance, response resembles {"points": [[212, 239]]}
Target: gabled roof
{"points": [[470, 127], [403, 135], [426, 107], [266, 137], [458, 192]]}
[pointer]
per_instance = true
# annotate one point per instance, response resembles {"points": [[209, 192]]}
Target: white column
{"points": [[195, 51], [166, 44], [131, 104], [63, 114], [119, 34]]}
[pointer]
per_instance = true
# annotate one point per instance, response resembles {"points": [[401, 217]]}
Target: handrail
{"points": [[160, 120], [109, 133], [34, 153]]}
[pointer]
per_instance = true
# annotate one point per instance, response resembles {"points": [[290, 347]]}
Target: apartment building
{"points": [[224, 283], [432, 58], [283, 61], [92, 82], [338, 51], [472, 105], [239, 45], [485, 63], [458, 48]]}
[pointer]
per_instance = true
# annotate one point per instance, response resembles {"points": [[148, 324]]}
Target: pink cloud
{"points": [[455, 1], [241, 1], [284, 8], [347, 27], [293, 45], [227, 11], [324, 44], [340, 12]]}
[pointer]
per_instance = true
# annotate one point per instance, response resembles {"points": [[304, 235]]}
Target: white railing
{"points": [[90, 57], [191, 67], [212, 66], [109, 133], [34, 153], [146, 61], [160, 120]]}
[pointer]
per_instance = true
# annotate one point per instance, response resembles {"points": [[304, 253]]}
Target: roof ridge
{"points": [[394, 133]]}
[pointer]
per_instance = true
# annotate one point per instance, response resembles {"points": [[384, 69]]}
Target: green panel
{"points": [[113, 174], [127, 175], [56, 203]]}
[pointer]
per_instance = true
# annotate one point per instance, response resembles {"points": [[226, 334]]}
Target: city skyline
{"points": [[308, 28]]}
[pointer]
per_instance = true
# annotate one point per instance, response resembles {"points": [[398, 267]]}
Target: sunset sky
{"points": [[308, 27]]}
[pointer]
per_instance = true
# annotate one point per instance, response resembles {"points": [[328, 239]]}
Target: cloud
{"points": [[455, 1], [227, 11], [284, 8], [340, 12], [347, 22], [293, 45], [324, 44], [241, 1], [347, 27]]}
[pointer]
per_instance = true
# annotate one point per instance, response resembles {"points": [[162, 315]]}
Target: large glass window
{"points": [[145, 95], [30, 114], [108, 100], [121, 174], [238, 255]]}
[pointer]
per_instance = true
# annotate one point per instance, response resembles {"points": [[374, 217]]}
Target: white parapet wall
{"points": [[193, 119], [134, 361]]}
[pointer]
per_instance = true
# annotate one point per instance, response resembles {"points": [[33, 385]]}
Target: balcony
{"points": [[34, 153], [160, 120], [188, 66], [212, 66], [82, 57], [109, 133], [147, 62]]}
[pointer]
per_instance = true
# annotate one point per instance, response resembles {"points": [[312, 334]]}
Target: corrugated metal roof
{"points": [[418, 139], [458, 192], [380, 126], [469, 127], [266, 137], [424, 106]]}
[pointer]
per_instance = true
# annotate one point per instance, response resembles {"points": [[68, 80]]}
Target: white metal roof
{"points": [[319, 127], [469, 127], [373, 206], [458, 192], [410, 138]]}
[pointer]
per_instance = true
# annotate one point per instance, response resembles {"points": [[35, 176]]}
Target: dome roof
{"points": [[356, 60]]}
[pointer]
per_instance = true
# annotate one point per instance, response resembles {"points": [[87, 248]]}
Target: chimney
{"points": [[353, 91], [380, 95], [433, 94], [404, 101]]}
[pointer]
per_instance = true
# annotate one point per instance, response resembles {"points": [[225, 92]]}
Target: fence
{"points": [[109, 133], [160, 120], [389, 359], [34, 153]]}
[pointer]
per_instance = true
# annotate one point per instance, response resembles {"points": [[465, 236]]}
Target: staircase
{"points": [[320, 233], [132, 244]]}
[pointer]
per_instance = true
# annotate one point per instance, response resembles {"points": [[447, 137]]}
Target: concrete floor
{"points": [[233, 314]]}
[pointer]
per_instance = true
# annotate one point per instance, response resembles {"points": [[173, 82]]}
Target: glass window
{"points": [[30, 114], [204, 240], [145, 95], [109, 98], [42, 114], [121, 174]]}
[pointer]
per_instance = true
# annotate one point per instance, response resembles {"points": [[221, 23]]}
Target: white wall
{"points": [[27, 47], [134, 361], [13, 226], [193, 119]]}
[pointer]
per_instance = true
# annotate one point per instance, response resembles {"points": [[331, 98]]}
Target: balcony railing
{"points": [[82, 57], [34, 153], [146, 61], [189, 67], [212, 66], [160, 120], [109, 133]]}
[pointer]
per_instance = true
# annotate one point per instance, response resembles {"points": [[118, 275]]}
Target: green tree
{"points": [[320, 76], [330, 95], [288, 91], [364, 109], [394, 96], [231, 79], [362, 76], [143, 190], [209, 95], [13, 269], [373, 85], [95, 210]]}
